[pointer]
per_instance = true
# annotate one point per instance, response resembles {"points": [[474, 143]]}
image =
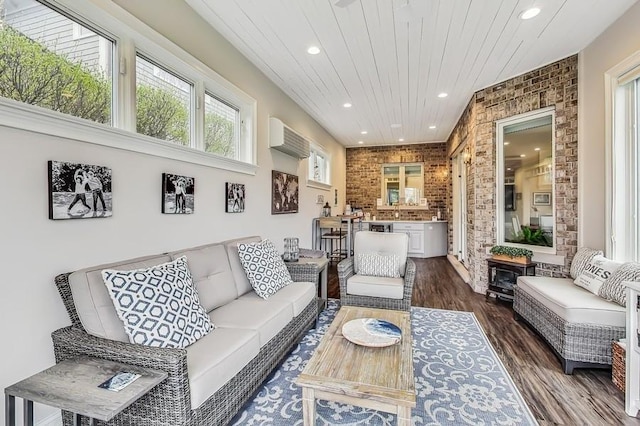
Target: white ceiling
{"points": [[391, 58]]}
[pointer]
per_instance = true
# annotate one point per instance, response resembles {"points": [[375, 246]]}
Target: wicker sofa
{"points": [[209, 381], [578, 325]]}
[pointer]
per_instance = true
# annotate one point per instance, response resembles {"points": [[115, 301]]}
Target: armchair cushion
{"points": [[365, 285], [379, 265], [159, 306], [381, 243]]}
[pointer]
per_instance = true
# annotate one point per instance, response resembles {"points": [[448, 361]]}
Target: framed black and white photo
{"points": [[235, 195], [79, 191], [177, 194], [541, 198], [284, 193]]}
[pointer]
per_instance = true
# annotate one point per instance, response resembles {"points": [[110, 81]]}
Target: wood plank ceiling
{"points": [[391, 58]]}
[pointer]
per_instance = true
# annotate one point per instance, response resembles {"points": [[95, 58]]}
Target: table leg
{"points": [[349, 234], [27, 407], [9, 410], [92, 422], [323, 283], [308, 407], [77, 420], [404, 416]]}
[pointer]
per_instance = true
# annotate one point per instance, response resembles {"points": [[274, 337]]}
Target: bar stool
{"points": [[331, 231]]}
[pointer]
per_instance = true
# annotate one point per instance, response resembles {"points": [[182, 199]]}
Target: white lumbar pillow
{"points": [[596, 272]]}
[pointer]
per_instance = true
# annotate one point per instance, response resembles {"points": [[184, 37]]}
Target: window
{"points": [[163, 103], [41, 63], [525, 184], [319, 166], [154, 90], [221, 127], [402, 184], [623, 158]]}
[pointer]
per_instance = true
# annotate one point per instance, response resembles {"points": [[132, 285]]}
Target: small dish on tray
{"points": [[371, 332]]}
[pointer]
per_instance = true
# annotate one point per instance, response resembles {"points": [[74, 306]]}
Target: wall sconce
{"points": [[466, 156]]}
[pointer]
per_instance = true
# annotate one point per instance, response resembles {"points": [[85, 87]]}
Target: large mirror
{"points": [[402, 184], [525, 180]]}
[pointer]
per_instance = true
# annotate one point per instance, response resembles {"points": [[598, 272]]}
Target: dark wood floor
{"points": [[588, 397]]}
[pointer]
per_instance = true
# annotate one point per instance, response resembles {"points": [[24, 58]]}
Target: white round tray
{"points": [[371, 332]]}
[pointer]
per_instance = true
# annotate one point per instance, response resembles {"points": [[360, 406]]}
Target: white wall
{"points": [[618, 42], [34, 249]]}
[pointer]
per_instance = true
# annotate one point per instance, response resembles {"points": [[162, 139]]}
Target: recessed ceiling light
{"points": [[508, 169], [432, 127], [522, 155], [506, 143], [401, 140], [313, 50], [396, 126], [443, 95], [347, 105], [360, 142], [530, 13], [364, 132], [536, 149]]}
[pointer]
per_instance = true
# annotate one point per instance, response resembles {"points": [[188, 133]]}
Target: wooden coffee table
{"points": [[377, 378]]}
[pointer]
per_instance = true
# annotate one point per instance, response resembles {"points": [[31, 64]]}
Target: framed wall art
{"points": [[79, 191], [541, 198], [177, 194], [284, 193], [235, 196]]}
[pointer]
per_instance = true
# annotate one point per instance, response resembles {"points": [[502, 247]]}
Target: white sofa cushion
{"points": [[572, 303], [267, 317], [93, 303], [218, 357], [299, 294], [159, 305], [239, 276], [595, 273], [211, 273], [581, 259], [382, 243], [367, 285]]}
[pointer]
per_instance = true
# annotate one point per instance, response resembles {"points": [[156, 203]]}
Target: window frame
{"points": [[622, 159], [500, 179], [316, 149], [131, 36]]}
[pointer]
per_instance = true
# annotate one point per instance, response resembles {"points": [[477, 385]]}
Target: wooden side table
{"points": [[72, 385], [311, 269], [503, 276]]}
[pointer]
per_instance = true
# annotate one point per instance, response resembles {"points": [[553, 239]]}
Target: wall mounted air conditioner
{"points": [[285, 139]]}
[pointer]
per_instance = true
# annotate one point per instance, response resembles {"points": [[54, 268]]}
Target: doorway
{"points": [[459, 169]]}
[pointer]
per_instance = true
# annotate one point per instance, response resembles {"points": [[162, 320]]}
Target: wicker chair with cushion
{"points": [[379, 274]]}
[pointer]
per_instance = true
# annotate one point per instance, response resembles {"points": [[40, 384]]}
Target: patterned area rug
{"points": [[459, 380]]}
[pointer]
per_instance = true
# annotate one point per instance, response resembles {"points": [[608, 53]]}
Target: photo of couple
{"points": [[177, 194], [79, 191]]}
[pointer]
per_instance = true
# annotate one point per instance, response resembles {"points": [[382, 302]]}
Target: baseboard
{"points": [[54, 419], [460, 269]]}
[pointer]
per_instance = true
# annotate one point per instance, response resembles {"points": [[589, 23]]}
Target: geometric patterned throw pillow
{"points": [[158, 305], [378, 265], [613, 290], [264, 267], [581, 259]]}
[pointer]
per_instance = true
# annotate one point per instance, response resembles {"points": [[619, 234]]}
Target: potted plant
{"points": [[511, 254]]}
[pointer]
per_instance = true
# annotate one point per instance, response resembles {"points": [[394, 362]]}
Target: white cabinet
{"points": [[415, 231], [426, 239]]}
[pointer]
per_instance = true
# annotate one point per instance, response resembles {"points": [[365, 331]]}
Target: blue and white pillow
{"points": [[264, 267], [159, 305]]}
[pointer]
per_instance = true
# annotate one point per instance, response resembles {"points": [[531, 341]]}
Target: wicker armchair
{"points": [[373, 241]]}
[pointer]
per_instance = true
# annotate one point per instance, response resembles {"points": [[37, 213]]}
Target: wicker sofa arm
{"points": [[170, 401], [409, 279]]}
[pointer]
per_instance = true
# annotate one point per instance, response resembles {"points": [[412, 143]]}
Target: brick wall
{"points": [[552, 85], [364, 177]]}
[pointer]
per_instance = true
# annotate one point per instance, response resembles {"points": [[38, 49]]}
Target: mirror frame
{"points": [[500, 194], [402, 173]]}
